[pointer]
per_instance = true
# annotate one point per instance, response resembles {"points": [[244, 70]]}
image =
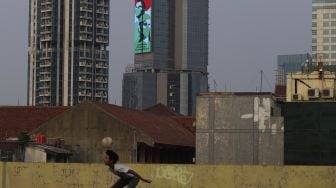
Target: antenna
{"points": [[215, 85], [261, 77]]}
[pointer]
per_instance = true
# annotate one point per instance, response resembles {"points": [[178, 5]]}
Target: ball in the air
{"points": [[107, 141]]}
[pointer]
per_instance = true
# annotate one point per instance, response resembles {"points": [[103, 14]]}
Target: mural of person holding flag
{"points": [[142, 26]]}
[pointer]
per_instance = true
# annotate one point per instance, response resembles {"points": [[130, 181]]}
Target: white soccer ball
{"points": [[107, 142]]}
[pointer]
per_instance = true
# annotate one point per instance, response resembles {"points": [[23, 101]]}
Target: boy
{"points": [[127, 176]]}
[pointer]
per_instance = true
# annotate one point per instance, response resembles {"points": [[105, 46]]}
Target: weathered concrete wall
{"points": [[233, 129], [35, 155], [84, 127], [2, 170], [30, 175]]}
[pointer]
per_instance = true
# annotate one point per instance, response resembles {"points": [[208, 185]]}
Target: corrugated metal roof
{"points": [[50, 149], [14, 120], [162, 128], [162, 110], [235, 93]]}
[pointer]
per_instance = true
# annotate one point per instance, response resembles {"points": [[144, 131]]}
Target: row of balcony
{"points": [[84, 22], [102, 3], [86, 37], [45, 30], [44, 94], [102, 24], [89, 2], [102, 32], [44, 86], [102, 17], [84, 63], [86, 7], [46, 8], [102, 10], [88, 79], [45, 64], [45, 79], [101, 79], [46, 23], [102, 39], [45, 37], [43, 2], [85, 94]]}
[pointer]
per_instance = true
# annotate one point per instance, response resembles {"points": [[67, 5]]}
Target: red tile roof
{"points": [[162, 128], [14, 120]]}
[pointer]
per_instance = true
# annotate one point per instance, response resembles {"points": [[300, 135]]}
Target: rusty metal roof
{"points": [[14, 120], [235, 93], [163, 110], [162, 128]]}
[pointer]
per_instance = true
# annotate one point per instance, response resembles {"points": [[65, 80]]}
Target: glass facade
{"points": [[289, 63]]}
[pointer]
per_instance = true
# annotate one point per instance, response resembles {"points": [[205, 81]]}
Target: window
{"points": [[333, 56], [314, 24], [333, 23], [325, 56], [326, 32], [314, 40], [333, 15], [314, 16], [333, 47], [326, 24], [326, 16], [333, 39], [333, 31], [313, 48], [325, 48], [314, 32], [326, 40]]}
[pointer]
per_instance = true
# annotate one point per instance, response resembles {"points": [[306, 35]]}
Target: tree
{"points": [[24, 138]]}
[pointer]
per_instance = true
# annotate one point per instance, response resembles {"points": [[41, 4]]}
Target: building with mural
{"points": [[171, 55]]}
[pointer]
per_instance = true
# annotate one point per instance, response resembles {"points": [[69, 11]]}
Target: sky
{"points": [[245, 37]]}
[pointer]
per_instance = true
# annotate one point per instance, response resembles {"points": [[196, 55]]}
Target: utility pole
{"points": [[215, 85]]}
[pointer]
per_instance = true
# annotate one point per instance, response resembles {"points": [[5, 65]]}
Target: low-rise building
{"points": [[311, 86], [239, 128], [138, 136], [42, 153], [155, 135]]}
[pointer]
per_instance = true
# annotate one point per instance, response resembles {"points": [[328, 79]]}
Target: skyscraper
{"points": [[324, 31], [171, 55], [68, 52], [290, 63]]}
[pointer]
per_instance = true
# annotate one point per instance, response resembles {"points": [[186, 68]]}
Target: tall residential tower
{"points": [[68, 52], [324, 31], [171, 55]]}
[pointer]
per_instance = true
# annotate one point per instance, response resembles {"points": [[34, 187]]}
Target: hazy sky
{"points": [[245, 37]]}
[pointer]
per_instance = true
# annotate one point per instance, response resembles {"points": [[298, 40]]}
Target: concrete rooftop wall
{"points": [[37, 175], [232, 129]]}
